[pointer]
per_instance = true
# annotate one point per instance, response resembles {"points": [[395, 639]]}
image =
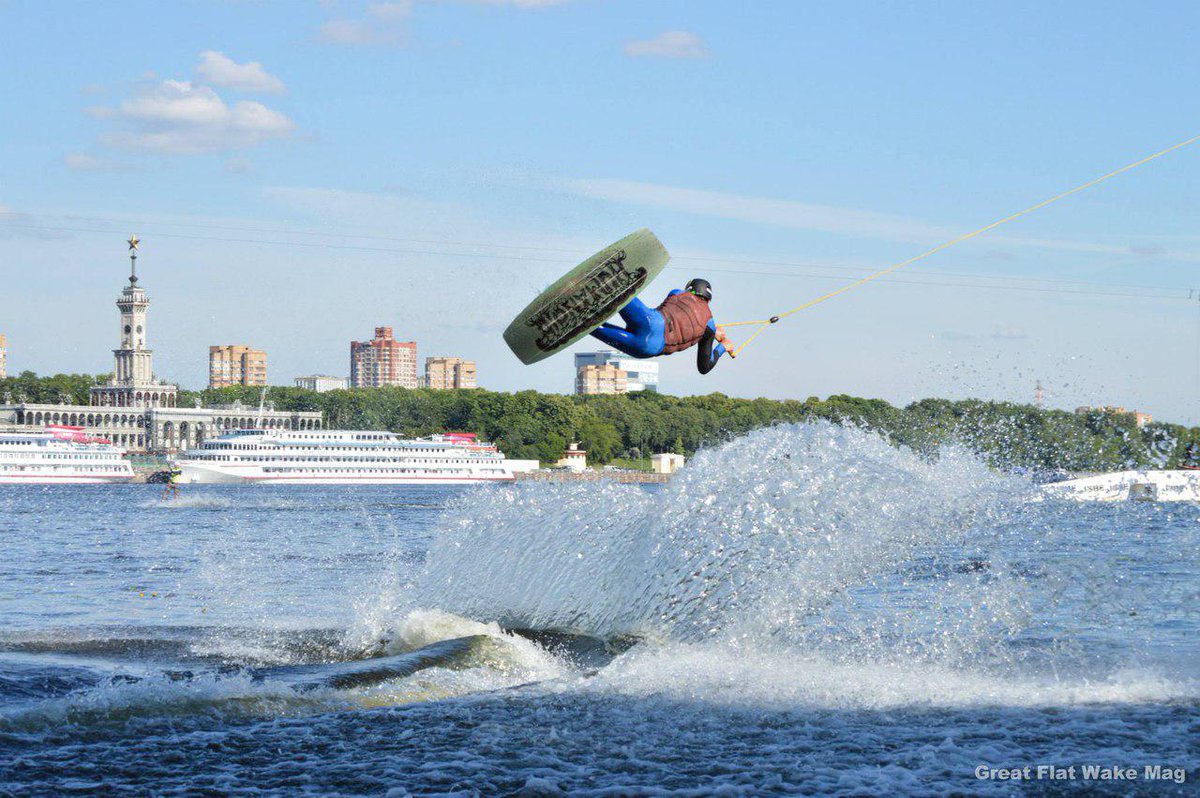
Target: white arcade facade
{"points": [[142, 429]]}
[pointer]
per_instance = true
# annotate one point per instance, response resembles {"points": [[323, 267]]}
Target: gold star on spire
{"points": [[133, 242]]}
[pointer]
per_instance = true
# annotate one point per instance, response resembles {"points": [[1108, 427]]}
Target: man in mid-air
{"points": [[681, 321]]}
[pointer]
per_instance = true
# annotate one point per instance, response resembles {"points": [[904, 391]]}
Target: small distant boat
{"points": [[1134, 485], [61, 455], [342, 457]]}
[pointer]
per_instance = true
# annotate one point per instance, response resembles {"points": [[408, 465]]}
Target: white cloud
{"points": [[381, 24], [179, 117], [175, 102], [759, 210], [1095, 248], [219, 69], [832, 219], [668, 44], [82, 162]]}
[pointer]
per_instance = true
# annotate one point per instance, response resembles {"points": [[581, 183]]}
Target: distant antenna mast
{"points": [[262, 400], [1039, 396]]}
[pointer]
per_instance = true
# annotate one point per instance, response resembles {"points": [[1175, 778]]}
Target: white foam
{"points": [[735, 675], [509, 654]]}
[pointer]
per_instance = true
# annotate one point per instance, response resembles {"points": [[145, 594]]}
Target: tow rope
{"points": [[765, 323]]}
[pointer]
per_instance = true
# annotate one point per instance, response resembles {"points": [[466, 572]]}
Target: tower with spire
{"points": [[132, 383]]}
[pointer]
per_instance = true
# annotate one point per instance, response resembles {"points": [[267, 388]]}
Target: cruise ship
{"points": [[342, 457], [60, 456]]}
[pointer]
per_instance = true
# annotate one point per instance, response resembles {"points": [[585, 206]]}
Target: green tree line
{"points": [[60, 388], [533, 425]]}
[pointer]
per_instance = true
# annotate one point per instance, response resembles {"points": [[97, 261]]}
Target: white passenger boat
{"points": [[1181, 485], [342, 457], [60, 456]]}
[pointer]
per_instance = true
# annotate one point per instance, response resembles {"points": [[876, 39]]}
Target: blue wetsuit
{"points": [[643, 335]]}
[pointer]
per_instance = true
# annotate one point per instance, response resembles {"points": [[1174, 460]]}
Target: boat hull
{"points": [[201, 475], [61, 455], [66, 479]]}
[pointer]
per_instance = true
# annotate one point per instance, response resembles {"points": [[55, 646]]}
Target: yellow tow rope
{"points": [[765, 323]]}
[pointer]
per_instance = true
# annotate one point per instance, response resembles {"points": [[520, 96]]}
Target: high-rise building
{"points": [[3, 357], [1139, 418], [449, 373], [641, 375], [132, 383], [236, 365], [322, 383], [601, 379], [383, 361]]}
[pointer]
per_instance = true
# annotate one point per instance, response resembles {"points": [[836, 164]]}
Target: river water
{"points": [[803, 610]]}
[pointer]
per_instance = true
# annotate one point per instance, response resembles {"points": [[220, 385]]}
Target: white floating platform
{"points": [[1146, 486]]}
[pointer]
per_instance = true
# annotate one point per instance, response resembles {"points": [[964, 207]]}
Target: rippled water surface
{"points": [[803, 610]]}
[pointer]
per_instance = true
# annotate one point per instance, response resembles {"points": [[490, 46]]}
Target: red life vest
{"points": [[687, 317]]}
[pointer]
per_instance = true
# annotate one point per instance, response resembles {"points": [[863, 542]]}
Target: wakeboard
{"points": [[585, 297]]}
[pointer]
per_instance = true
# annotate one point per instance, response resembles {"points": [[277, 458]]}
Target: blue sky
{"points": [[300, 173]]}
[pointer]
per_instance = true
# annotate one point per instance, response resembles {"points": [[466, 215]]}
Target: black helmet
{"points": [[701, 288]]}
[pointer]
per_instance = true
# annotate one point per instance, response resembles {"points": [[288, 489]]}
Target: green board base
{"points": [[586, 297]]}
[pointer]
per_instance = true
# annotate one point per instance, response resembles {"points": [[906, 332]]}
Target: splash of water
{"points": [[751, 538]]}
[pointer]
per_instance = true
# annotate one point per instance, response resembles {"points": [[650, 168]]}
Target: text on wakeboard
{"points": [[592, 298]]}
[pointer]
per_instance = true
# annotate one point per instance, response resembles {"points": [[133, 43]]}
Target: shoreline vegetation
{"points": [[626, 429]]}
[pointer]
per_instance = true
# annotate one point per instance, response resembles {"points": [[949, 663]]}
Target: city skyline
{"points": [[135, 408], [643, 376], [239, 364], [291, 203]]}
